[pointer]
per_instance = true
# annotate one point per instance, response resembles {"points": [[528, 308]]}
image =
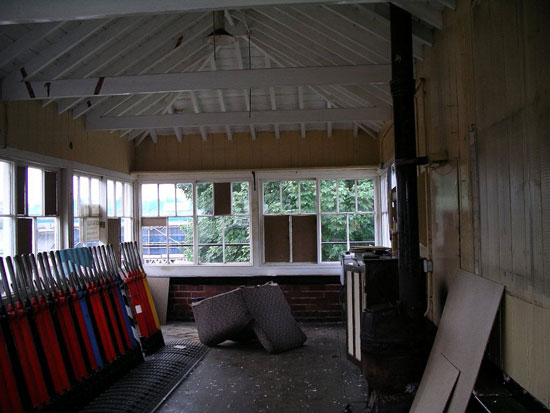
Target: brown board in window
{"points": [[50, 193], [153, 222], [277, 242], [24, 235], [113, 235], [304, 238], [21, 190], [222, 198]]}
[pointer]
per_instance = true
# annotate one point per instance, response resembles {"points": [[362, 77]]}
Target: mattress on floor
{"points": [[262, 309]]}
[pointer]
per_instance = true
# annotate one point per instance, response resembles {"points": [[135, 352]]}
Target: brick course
{"points": [[308, 302]]}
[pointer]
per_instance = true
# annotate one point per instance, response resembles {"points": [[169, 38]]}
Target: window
{"points": [[120, 203], [6, 210], [195, 223], [86, 210], [37, 222], [344, 209], [384, 211]]}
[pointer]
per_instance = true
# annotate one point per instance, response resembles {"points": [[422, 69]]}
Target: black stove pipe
{"points": [[412, 290]]}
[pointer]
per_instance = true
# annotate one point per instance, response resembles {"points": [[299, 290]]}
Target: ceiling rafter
{"points": [[27, 41], [220, 98], [57, 49], [123, 55]]}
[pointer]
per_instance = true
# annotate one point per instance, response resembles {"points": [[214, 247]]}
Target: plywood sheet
{"points": [[222, 198], [277, 240], [462, 336], [441, 378], [21, 190], [24, 236], [304, 238], [159, 290], [153, 222], [50, 193]]}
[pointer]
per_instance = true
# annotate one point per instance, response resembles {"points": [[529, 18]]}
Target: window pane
{"points": [[346, 195], [76, 205], [180, 239], [128, 201], [383, 193], [210, 254], [94, 197], [210, 230], [308, 197], [167, 200], [35, 188], [365, 195], [46, 229], [332, 252], [272, 200], [84, 196], [239, 197], [6, 237], [118, 195], [5, 192], [153, 240], [361, 227], [333, 228], [205, 203], [126, 230], [237, 253], [76, 233], [290, 196], [237, 230], [149, 200], [111, 210], [184, 199], [328, 196]]}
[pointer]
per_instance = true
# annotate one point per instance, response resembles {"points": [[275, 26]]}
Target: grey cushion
{"points": [[221, 317], [272, 319]]}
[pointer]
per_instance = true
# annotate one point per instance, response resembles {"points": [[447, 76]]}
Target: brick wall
{"points": [[308, 302]]}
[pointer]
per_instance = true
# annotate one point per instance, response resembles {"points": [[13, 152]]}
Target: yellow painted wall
{"points": [[485, 99], [29, 126], [290, 151]]}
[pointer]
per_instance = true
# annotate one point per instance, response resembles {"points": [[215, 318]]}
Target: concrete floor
{"points": [[245, 378]]}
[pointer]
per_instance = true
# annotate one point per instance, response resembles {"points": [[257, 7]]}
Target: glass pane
{"points": [[5, 192], [205, 203], [237, 230], [209, 254], [333, 228], [272, 200], [328, 196], [184, 199], [361, 227], [290, 196], [76, 205], [149, 200], [35, 189], [153, 240], [180, 231], [346, 195], [385, 231], [128, 201], [84, 196], [308, 197], [118, 195], [365, 195], [94, 202], [46, 229], [383, 193], [210, 230], [332, 252], [239, 197], [111, 198], [6, 237], [126, 234], [167, 200], [237, 253], [180, 254], [76, 233]]}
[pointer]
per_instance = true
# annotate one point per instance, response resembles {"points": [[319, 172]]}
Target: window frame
{"points": [[254, 178]]}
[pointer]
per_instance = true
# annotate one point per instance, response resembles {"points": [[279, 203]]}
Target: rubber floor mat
{"points": [[146, 387]]}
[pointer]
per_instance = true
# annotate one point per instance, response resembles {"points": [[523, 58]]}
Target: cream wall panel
{"points": [[241, 152]]}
